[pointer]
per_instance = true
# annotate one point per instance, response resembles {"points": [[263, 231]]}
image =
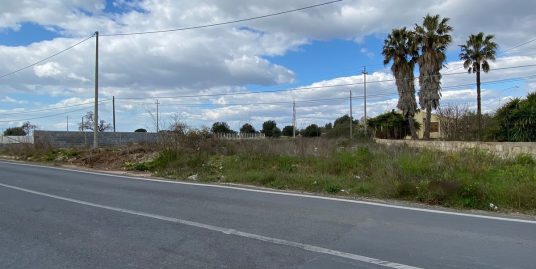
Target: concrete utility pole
{"points": [[96, 112], [294, 119], [113, 108], [67, 123], [351, 116], [365, 93], [157, 121]]}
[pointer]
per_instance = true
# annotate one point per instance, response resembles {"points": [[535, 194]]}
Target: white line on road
{"points": [[286, 194], [226, 231]]}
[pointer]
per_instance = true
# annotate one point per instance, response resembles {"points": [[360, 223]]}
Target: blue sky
{"points": [[321, 47]]}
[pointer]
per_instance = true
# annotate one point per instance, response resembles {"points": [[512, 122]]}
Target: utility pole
{"points": [[82, 126], [294, 119], [96, 112], [113, 108], [157, 123], [365, 94], [67, 123], [351, 116]]}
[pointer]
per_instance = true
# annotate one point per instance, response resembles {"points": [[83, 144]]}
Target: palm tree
{"points": [[433, 37], [477, 51], [401, 48]]}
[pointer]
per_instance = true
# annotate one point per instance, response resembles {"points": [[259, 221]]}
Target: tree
{"points": [[391, 125], [341, 127], [433, 38], [344, 120], [221, 128], [28, 127], [475, 54], [15, 131], [288, 131], [247, 129], [88, 123], [140, 130], [311, 131], [401, 48], [517, 120], [269, 129]]}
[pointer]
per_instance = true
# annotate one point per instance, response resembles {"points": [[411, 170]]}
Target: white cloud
{"points": [[50, 69], [8, 99]]}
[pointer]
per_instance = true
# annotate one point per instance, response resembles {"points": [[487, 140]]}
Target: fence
{"points": [[64, 139], [16, 139], [239, 136], [501, 149]]}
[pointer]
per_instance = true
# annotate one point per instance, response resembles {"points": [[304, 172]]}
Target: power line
{"points": [[518, 45], [286, 90], [47, 58], [52, 108], [223, 23], [47, 116], [377, 94], [303, 88]]}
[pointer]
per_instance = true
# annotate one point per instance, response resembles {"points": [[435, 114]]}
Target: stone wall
{"points": [[64, 139], [501, 149]]}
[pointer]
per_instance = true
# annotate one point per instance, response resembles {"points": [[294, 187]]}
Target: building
{"points": [[435, 127]]}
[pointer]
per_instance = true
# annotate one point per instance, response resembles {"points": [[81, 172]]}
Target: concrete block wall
{"points": [[501, 149], [65, 139], [16, 139]]}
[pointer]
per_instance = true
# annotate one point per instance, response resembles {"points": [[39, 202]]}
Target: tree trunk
{"points": [[412, 128], [427, 122], [478, 104]]}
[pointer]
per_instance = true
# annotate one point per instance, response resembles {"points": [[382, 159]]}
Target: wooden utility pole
{"points": [[294, 119], [365, 94], [351, 116], [157, 120], [113, 108], [96, 112]]}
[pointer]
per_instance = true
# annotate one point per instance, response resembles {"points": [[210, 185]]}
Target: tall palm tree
{"points": [[477, 51], [401, 48], [434, 37]]}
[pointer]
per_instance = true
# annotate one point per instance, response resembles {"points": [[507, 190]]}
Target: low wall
{"points": [[501, 149], [16, 139], [64, 139]]}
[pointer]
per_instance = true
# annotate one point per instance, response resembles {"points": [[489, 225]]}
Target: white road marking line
{"points": [[226, 231], [287, 194]]}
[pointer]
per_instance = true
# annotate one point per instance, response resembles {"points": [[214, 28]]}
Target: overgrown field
{"points": [[467, 179]]}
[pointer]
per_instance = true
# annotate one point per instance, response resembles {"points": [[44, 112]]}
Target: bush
{"points": [[391, 125], [140, 130], [311, 131], [15, 131], [247, 129], [221, 128], [269, 129], [288, 131], [517, 120]]}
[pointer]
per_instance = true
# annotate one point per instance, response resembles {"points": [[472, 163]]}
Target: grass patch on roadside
{"points": [[468, 179]]}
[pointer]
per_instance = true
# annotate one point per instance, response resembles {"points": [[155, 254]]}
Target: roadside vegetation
{"points": [[469, 179]]}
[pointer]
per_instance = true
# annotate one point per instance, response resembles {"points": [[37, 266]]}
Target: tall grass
{"points": [[468, 179]]}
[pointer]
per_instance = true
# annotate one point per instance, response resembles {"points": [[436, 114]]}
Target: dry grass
{"points": [[467, 179]]}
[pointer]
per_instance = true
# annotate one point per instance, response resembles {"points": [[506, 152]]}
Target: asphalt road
{"points": [[54, 218]]}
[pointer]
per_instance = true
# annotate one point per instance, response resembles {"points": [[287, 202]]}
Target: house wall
{"points": [[419, 117]]}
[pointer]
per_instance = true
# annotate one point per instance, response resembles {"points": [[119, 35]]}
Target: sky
{"points": [[247, 72]]}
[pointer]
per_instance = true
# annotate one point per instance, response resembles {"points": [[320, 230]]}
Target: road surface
{"points": [[57, 218]]}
